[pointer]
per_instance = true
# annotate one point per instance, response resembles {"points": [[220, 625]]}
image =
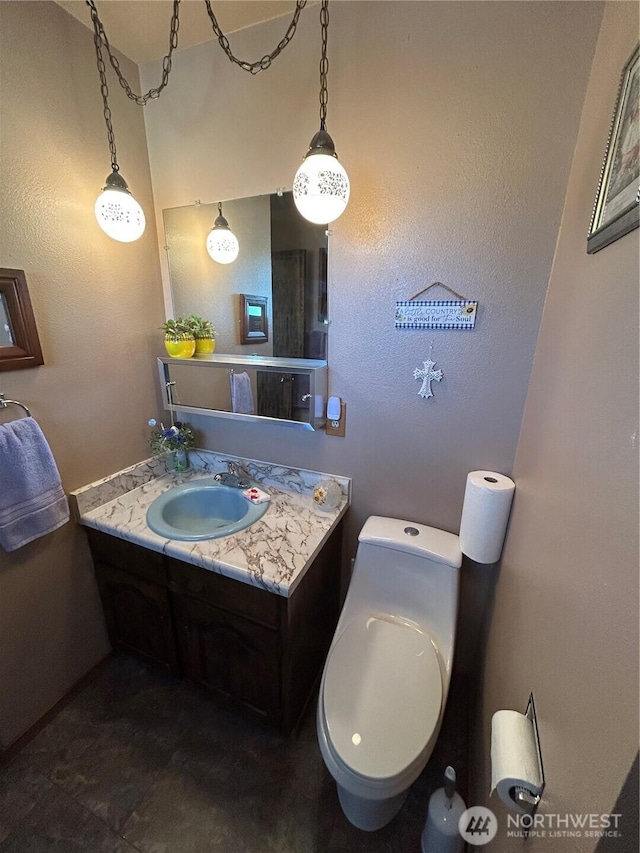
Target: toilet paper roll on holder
{"points": [[525, 799]]}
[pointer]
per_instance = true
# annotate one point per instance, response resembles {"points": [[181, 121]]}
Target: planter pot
{"points": [[205, 346], [180, 346]]}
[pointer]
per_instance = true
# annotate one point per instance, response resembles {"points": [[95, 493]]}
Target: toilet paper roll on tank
{"points": [[485, 514]]}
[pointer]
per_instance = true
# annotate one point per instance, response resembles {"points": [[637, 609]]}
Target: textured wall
{"points": [[97, 305], [565, 622], [456, 123]]}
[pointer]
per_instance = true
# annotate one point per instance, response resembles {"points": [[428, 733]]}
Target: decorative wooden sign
{"points": [[436, 314]]}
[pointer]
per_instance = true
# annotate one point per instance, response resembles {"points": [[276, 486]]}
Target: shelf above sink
{"points": [[291, 392]]}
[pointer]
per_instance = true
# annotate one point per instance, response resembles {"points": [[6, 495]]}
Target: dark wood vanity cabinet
{"points": [[231, 657], [245, 646], [135, 598], [138, 616]]}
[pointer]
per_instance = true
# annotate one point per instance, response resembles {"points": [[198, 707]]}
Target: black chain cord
{"points": [[100, 39], [104, 91], [252, 67], [265, 62], [101, 36], [324, 63]]}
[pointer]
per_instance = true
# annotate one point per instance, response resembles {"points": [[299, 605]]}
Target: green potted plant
{"points": [[179, 340], [203, 332]]}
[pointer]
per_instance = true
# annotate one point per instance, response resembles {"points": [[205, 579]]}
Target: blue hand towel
{"points": [[32, 501]]}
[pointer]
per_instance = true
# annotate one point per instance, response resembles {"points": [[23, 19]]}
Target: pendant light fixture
{"points": [[118, 213], [321, 185], [222, 243]]}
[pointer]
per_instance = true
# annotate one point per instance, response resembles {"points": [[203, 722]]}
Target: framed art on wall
{"points": [[19, 342], [616, 208], [254, 324]]}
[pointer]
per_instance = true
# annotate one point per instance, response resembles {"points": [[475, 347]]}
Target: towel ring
{"points": [[4, 403]]}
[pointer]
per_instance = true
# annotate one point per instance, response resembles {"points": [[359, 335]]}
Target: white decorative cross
{"points": [[427, 374]]}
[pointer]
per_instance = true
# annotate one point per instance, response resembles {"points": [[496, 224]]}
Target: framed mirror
{"points": [[19, 342], [281, 260], [254, 326]]}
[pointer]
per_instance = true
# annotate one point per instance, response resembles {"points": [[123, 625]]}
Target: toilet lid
{"points": [[382, 696]]}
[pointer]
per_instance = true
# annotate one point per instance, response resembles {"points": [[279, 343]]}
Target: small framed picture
{"points": [[254, 323], [19, 341], [616, 208]]}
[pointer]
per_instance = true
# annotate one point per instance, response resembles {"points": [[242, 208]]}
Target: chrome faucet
{"points": [[236, 477]]}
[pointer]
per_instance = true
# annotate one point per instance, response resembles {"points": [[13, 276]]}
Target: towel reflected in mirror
{"points": [[241, 394]]}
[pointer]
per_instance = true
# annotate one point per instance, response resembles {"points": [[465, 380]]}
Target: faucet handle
{"points": [[241, 478]]}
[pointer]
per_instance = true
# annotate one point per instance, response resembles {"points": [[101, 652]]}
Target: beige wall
{"points": [[97, 305], [565, 623], [456, 123]]}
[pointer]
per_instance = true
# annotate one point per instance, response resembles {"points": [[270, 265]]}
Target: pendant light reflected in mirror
{"points": [[321, 186], [118, 213], [222, 243]]}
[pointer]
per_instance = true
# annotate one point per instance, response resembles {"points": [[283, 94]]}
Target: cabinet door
{"points": [[138, 616], [235, 659]]}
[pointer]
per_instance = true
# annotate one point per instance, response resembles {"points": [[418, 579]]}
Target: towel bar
{"points": [[4, 403]]}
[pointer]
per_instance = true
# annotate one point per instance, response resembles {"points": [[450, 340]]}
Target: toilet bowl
{"points": [[386, 677]]}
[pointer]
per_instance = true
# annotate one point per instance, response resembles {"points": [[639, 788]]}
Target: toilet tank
{"points": [[410, 538], [410, 571]]}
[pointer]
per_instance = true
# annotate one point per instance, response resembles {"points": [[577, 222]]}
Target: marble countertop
{"points": [[274, 553]]}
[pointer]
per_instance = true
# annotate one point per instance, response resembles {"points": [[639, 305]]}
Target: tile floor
{"points": [[141, 762]]}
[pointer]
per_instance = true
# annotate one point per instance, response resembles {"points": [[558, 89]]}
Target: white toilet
{"points": [[386, 677]]}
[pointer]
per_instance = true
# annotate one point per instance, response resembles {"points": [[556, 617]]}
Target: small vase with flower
{"points": [[178, 439]]}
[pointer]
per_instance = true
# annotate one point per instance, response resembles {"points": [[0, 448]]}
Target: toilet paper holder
{"points": [[525, 799]]}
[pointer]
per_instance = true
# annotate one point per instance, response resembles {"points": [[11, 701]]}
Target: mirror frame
{"points": [[27, 351]]}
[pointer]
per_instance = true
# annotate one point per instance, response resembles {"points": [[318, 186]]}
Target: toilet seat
{"points": [[382, 696]]}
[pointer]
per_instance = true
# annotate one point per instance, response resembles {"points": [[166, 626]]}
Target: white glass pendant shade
{"points": [[321, 186], [222, 243], [118, 213]]}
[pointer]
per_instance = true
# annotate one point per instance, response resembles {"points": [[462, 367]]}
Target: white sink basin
{"points": [[202, 509]]}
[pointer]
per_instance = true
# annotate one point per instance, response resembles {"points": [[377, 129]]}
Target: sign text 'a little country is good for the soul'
{"points": [[441, 314]]}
